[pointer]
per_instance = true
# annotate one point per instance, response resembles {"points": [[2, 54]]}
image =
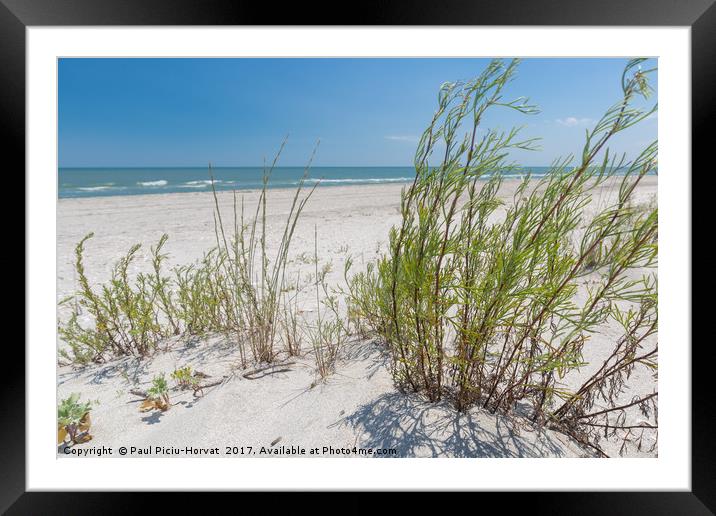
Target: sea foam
{"points": [[161, 182], [363, 180], [203, 182]]}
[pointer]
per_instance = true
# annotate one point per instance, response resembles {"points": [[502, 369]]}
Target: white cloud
{"points": [[573, 121], [401, 138]]}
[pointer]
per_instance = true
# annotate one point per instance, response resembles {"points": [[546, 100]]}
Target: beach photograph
{"points": [[357, 257]]}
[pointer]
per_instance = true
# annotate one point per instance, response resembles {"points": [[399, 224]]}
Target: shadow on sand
{"points": [[416, 428]]}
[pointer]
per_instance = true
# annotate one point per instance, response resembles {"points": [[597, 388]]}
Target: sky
{"points": [[365, 112]]}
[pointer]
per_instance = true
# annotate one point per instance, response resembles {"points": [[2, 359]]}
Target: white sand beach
{"points": [[287, 406]]}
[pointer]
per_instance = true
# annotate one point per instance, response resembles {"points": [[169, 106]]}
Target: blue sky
{"points": [[366, 112]]}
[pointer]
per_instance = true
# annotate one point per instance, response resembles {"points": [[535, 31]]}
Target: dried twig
{"points": [[251, 375]]}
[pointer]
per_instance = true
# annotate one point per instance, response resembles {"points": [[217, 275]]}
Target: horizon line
{"points": [[254, 166]]}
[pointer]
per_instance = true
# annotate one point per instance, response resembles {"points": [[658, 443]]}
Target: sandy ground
{"points": [[287, 407], [282, 411]]}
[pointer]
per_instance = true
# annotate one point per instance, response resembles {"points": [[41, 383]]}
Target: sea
{"points": [[101, 182]]}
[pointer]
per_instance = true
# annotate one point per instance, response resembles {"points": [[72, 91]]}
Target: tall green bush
{"points": [[477, 301]]}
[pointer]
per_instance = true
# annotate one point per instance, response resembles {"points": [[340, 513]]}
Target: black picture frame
{"points": [[700, 15]]}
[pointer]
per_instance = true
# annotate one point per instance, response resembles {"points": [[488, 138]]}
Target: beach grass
{"points": [[329, 333], [236, 289]]}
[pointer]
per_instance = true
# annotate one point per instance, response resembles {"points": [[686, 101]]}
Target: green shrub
{"points": [[478, 301], [126, 316]]}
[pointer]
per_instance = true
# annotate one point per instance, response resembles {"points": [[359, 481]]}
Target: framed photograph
{"points": [[262, 248]]}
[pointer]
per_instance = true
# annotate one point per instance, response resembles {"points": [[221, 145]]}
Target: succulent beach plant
{"points": [[73, 420], [157, 395]]}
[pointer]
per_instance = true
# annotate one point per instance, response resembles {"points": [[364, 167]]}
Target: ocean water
{"points": [[99, 182]]}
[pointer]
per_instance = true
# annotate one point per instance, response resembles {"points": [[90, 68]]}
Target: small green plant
{"points": [[184, 377], [157, 395], [73, 420], [329, 333]]}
